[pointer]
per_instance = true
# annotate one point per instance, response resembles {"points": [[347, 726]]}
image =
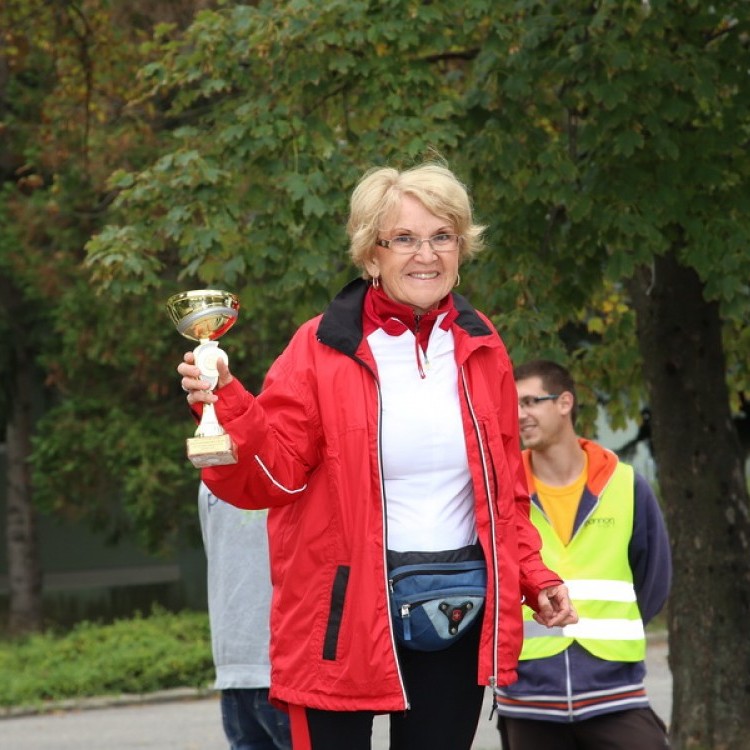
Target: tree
{"points": [[621, 137], [24, 572], [77, 378], [606, 147]]}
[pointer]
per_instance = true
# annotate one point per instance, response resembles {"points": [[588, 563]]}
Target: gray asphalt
{"points": [[178, 720]]}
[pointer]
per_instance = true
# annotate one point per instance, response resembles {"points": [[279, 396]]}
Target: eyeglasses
{"points": [[529, 402], [408, 244]]}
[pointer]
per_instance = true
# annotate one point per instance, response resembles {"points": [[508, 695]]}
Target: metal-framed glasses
{"points": [[408, 244], [529, 402]]}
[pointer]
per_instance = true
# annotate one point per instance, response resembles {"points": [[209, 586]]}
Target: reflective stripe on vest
{"points": [[596, 570]]}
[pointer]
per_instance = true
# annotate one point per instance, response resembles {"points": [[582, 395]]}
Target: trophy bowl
{"points": [[203, 314]]}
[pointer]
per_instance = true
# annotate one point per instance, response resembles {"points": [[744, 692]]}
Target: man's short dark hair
{"points": [[555, 379]]}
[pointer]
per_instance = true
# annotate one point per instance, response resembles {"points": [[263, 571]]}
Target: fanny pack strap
{"points": [[462, 554]]}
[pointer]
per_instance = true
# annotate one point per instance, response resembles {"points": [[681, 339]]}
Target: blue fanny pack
{"points": [[435, 596]]}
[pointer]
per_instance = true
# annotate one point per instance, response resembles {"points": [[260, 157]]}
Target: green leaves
{"points": [[605, 128], [593, 139]]}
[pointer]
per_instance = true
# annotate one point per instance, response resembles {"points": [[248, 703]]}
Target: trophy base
{"points": [[216, 450]]}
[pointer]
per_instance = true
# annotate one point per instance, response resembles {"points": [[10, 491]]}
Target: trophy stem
{"points": [[209, 425], [211, 446]]}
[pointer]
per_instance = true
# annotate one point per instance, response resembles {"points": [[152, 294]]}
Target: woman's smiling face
{"points": [[420, 279]]}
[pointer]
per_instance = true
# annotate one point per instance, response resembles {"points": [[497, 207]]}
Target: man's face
{"points": [[539, 417]]}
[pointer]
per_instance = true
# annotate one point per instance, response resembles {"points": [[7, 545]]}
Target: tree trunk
{"points": [[24, 569], [703, 486]]}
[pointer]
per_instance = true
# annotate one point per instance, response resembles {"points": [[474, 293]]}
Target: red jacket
{"points": [[309, 449]]}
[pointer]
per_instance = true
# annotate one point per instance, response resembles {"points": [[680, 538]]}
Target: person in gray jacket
{"points": [[239, 603]]}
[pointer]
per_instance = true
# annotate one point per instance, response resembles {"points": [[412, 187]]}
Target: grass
{"points": [[140, 655]]}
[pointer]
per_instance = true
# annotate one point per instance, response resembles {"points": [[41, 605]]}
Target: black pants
{"points": [[638, 728], [445, 705]]}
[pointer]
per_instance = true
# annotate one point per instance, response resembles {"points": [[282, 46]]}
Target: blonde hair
{"points": [[378, 194]]}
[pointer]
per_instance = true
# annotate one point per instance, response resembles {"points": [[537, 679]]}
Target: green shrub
{"points": [[140, 655]]}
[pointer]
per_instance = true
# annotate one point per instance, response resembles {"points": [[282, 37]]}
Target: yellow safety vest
{"points": [[596, 570]]}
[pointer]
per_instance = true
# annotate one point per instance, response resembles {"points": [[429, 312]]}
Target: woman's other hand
{"points": [[555, 607]]}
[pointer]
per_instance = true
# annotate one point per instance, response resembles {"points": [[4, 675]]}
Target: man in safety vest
{"points": [[581, 686]]}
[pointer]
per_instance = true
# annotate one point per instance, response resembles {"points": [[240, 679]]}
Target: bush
{"points": [[140, 655]]}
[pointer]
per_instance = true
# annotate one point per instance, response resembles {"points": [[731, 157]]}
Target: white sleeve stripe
{"points": [[274, 482]]}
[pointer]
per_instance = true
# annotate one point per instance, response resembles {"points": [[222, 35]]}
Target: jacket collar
{"points": [[342, 324], [394, 317]]}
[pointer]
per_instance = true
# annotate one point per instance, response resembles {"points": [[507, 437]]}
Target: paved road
{"points": [[178, 722]]}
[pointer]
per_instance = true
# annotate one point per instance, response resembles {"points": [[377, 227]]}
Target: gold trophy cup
{"points": [[205, 315]]}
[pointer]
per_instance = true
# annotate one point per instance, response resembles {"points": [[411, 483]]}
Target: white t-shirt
{"points": [[429, 496]]}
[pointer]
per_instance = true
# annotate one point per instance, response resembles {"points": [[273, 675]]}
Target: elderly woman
{"points": [[386, 435]]}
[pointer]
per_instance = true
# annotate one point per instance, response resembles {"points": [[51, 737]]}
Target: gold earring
{"points": [[458, 280]]}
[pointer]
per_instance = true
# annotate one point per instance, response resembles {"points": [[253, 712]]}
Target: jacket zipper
{"points": [[422, 374], [492, 679], [385, 535]]}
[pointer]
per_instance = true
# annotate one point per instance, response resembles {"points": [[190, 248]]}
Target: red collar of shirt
{"points": [[394, 317]]}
